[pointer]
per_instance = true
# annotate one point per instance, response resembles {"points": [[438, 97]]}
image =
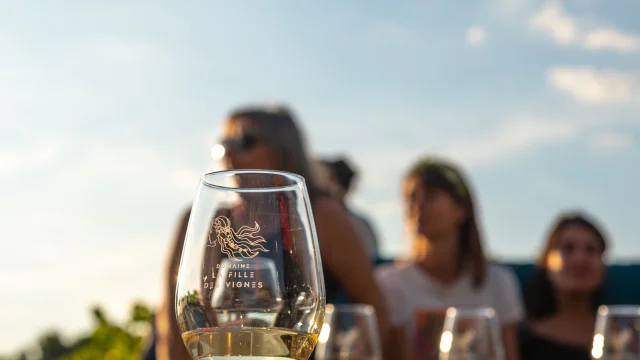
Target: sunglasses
{"points": [[238, 144]]}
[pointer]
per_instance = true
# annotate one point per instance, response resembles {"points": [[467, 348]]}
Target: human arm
{"points": [[169, 344], [510, 340], [344, 254], [399, 312], [510, 309]]}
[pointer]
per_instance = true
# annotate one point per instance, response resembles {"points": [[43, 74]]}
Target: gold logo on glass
{"points": [[237, 245]]}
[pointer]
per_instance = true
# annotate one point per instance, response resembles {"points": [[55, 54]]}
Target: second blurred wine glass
{"points": [[350, 332], [617, 333], [471, 334]]}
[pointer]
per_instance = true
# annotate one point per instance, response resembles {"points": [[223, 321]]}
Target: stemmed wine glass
{"points": [[250, 284], [617, 333], [350, 332], [471, 334]]}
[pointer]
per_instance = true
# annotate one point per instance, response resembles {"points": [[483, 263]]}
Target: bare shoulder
{"points": [[177, 238], [326, 209], [186, 214], [329, 214], [333, 225], [181, 229]]}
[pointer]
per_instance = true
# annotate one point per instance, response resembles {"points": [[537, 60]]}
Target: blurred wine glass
{"points": [[250, 284], [350, 332], [471, 334], [617, 333]]}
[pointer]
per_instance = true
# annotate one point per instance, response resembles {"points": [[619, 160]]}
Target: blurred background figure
{"points": [[448, 266], [564, 292], [261, 137], [340, 180]]}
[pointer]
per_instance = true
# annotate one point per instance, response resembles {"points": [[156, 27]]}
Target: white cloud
{"points": [[612, 140], [509, 139], [391, 35], [590, 86], [564, 29], [476, 35], [385, 161], [76, 219], [502, 143], [121, 51], [555, 23], [607, 38], [40, 155], [103, 274], [511, 6], [98, 162], [186, 180]]}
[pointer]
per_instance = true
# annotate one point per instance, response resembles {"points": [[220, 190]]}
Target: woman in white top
{"points": [[448, 266]]}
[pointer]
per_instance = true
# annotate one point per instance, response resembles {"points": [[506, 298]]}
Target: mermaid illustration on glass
{"points": [[244, 243]]}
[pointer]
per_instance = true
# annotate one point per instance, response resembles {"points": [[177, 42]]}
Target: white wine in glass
{"points": [[250, 284]]}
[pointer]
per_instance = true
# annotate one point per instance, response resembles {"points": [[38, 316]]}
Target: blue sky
{"points": [[108, 112]]}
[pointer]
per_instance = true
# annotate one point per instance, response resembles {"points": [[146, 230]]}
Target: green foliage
{"points": [[52, 346], [107, 340]]}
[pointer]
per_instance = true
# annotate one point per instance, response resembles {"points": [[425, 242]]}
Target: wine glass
{"points": [[350, 332], [250, 284], [471, 334], [617, 333]]}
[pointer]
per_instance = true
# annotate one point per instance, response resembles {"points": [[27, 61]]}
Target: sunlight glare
{"points": [[446, 341], [217, 151], [598, 346], [324, 333]]}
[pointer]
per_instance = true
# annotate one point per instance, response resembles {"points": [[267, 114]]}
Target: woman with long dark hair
{"points": [[268, 138], [564, 292], [448, 265]]}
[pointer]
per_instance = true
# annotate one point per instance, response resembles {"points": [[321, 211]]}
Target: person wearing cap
{"points": [[341, 177], [448, 267]]}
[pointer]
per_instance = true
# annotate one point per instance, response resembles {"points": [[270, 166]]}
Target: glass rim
{"points": [[619, 310], [298, 179], [471, 311], [362, 309]]}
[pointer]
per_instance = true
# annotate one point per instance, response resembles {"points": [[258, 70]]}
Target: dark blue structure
{"points": [[622, 281]]}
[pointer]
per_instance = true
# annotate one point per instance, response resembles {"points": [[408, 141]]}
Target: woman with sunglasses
{"points": [[448, 265], [269, 139]]}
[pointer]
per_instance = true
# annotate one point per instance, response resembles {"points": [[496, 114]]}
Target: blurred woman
{"points": [[268, 138], [564, 292], [448, 265]]}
